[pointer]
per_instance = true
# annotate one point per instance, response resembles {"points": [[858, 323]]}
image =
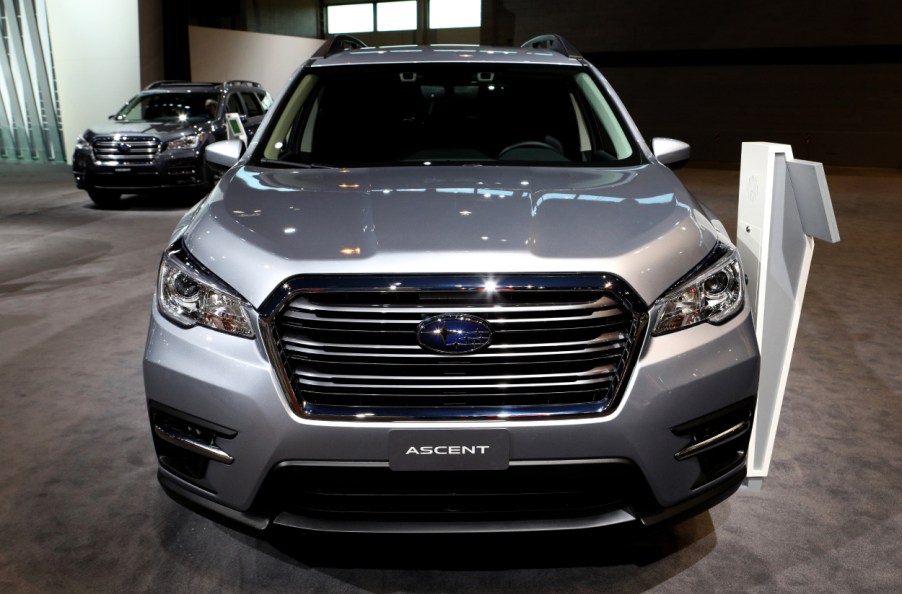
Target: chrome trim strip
{"points": [[185, 441], [415, 354], [596, 376], [609, 338], [610, 518], [384, 464], [596, 314], [706, 444], [603, 303], [468, 413]]}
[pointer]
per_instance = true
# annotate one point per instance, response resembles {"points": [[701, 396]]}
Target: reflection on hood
{"points": [[452, 220]]}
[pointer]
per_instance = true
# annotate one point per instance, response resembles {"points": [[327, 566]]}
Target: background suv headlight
{"points": [[715, 294], [186, 142], [190, 295]]}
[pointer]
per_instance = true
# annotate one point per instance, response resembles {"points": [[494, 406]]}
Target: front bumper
{"points": [[169, 169], [685, 388]]}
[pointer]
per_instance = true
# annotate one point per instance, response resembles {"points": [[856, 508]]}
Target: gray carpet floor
{"points": [[81, 511]]}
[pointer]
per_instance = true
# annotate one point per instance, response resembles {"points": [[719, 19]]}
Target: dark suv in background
{"points": [[157, 139]]}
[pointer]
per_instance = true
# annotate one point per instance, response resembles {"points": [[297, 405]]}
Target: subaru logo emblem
{"points": [[124, 147], [454, 334]]}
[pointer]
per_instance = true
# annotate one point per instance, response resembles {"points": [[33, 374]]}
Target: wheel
{"points": [[104, 198]]}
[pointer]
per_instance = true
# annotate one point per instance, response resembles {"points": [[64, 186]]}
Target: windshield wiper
{"points": [[294, 164]]}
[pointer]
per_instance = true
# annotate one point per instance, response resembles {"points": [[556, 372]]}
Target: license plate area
{"points": [[448, 449]]}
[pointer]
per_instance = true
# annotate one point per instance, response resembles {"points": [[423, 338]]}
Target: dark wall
{"points": [[300, 18], [150, 25], [823, 77]]}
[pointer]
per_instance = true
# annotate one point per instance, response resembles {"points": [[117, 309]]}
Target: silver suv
{"points": [[450, 289]]}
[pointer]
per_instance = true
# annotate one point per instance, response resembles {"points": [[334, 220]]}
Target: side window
{"points": [[234, 105], [281, 140], [604, 114], [265, 100], [253, 105]]}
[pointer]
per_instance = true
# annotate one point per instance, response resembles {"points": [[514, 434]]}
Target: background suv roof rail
{"points": [[249, 83], [338, 43], [555, 43], [159, 83], [178, 84]]}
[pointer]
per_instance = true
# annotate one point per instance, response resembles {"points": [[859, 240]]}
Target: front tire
{"points": [[104, 198]]}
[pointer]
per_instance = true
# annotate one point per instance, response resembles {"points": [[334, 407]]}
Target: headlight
{"points": [[189, 295], [187, 142], [81, 144], [713, 295]]}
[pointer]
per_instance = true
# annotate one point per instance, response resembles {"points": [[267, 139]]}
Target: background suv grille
{"points": [[562, 345], [131, 150]]}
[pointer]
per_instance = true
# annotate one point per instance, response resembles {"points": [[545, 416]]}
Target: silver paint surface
{"points": [[262, 226]]}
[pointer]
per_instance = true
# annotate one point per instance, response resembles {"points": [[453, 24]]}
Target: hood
{"points": [[261, 226], [163, 130]]}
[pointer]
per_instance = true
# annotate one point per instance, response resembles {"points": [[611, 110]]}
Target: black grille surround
{"points": [[345, 347], [126, 150]]}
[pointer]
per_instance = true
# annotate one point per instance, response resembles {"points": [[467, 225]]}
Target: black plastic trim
{"points": [[696, 505], [336, 44], [555, 43]]}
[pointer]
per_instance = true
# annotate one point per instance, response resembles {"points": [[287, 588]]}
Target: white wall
{"points": [[223, 54], [96, 58]]}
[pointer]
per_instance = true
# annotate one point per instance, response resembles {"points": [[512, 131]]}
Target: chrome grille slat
{"points": [[490, 320], [353, 353], [581, 383], [606, 342], [405, 356], [604, 303]]}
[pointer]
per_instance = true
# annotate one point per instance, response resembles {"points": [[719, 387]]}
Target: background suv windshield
{"points": [[170, 107], [415, 113]]}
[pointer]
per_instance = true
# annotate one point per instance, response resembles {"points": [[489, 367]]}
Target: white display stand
{"points": [[783, 205], [235, 128]]}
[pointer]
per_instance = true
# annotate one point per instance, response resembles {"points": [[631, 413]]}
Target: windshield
{"points": [[439, 113], [170, 107]]}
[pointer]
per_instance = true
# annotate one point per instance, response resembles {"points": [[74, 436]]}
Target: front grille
{"points": [[126, 150], [562, 345], [518, 493]]}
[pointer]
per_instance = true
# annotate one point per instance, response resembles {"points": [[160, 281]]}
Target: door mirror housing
{"points": [[671, 152], [222, 156]]}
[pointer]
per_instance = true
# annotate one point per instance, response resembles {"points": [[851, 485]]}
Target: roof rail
{"points": [[555, 43], [249, 83], [179, 83], [159, 83], [338, 43]]}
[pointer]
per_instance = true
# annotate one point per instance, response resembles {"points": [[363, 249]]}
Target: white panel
{"points": [[396, 16], [775, 246], [96, 58], [221, 54], [452, 14], [350, 18]]}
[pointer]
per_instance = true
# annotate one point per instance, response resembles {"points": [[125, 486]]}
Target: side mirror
{"points": [[222, 156], [671, 152]]}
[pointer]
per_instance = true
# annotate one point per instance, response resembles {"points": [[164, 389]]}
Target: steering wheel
{"points": [[528, 144]]}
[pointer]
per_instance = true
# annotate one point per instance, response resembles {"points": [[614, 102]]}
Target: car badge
{"points": [[454, 334], [124, 147]]}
